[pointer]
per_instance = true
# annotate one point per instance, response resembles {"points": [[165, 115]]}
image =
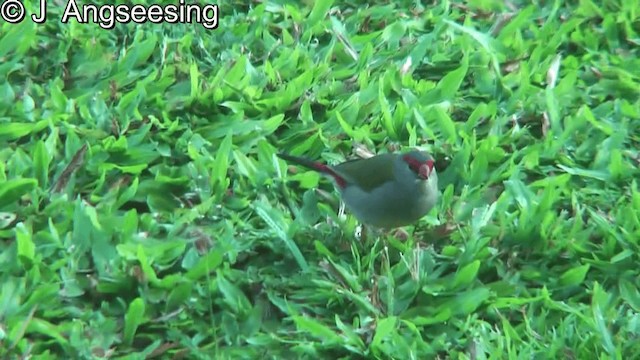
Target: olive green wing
{"points": [[369, 173]]}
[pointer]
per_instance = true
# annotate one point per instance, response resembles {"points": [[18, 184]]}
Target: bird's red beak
{"points": [[426, 169]]}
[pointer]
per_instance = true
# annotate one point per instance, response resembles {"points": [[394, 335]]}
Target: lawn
{"points": [[144, 214]]}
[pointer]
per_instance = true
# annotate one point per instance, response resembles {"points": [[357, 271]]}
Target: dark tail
{"points": [[312, 165], [303, 162]]}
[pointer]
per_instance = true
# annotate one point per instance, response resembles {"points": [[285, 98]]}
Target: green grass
{"points": [[143, 211]]}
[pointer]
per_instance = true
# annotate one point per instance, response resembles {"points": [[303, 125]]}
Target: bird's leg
{"points": [[365, 232], [341, 215]]}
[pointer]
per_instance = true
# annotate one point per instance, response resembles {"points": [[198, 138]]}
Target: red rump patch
{"points": [[340, 181]]}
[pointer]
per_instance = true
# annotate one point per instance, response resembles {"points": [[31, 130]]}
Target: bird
{"points": [[386, 191]]}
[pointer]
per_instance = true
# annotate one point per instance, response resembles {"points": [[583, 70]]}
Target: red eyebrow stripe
{"points": [[415, 164], [430, 164], [411, 161]]}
